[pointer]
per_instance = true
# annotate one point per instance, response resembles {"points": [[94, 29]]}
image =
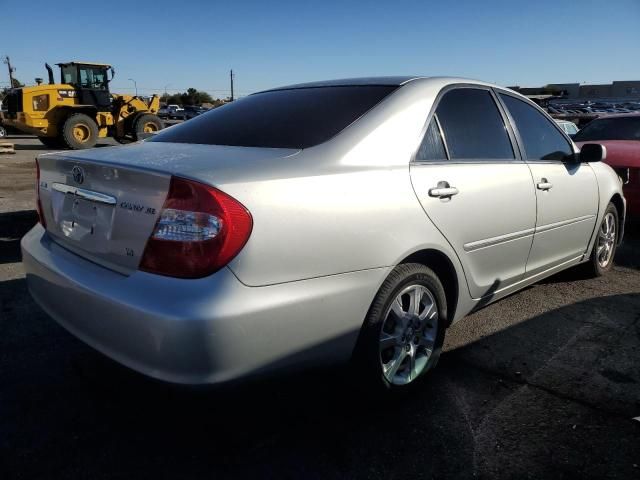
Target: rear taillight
{"points": [[199, 231], [38, 202]]}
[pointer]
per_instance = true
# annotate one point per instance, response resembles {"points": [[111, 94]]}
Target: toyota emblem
{"points": [[78, 174]]}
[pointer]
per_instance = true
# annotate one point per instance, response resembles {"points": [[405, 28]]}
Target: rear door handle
{"points": [[443, 190], [544, 184]]}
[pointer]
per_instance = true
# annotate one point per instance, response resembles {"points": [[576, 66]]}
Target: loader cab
{"points": [[91, 82]]}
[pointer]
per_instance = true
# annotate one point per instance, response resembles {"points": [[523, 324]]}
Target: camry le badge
{"points": [[78, 174]]}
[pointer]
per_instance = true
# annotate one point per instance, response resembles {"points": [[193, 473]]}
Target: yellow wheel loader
{"points": [[80, 109]]}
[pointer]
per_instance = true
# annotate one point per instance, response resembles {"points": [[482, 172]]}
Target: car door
{"points": [[475, 189], [566, 190]]}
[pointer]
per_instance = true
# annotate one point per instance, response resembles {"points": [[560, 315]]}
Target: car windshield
{"points": [[620, 128], [291, 118]]}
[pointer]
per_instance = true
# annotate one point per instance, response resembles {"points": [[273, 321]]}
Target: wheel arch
{"points": [[62, 113], [618, 202], [443, 267]]}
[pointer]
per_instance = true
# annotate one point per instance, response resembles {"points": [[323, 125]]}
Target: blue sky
{"points": [[269, 43]]}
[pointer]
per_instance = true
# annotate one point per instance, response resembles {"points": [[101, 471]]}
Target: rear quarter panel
{"points": [[346, 205]]}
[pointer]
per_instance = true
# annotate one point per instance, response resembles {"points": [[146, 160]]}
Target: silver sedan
{"points": [[350, 220]]}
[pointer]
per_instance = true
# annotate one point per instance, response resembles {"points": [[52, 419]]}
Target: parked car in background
{"points": [[314, 224], [171, 112], [620, 134], [569, 128], [192, 111]]}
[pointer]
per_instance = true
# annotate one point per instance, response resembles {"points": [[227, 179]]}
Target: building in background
{"points": [[575, 91]]}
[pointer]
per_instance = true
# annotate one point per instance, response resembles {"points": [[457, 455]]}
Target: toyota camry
{"points": [[351, 220]]}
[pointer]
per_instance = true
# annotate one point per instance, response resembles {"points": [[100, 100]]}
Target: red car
{"points": [[621, 135]]}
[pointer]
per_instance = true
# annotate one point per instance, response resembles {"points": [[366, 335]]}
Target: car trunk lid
{"points": [[103, 204]]}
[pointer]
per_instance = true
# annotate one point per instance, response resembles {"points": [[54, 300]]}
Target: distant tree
{"points": [[16, 84], [171, 99], [191, 97]]}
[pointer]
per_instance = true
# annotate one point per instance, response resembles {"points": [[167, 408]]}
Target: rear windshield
{"points": [[621, 128], [295, 118]]}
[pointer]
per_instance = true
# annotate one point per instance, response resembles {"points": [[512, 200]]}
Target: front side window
{"points": [[294, 118], [540, 138], [472, 125], [92, 78]]}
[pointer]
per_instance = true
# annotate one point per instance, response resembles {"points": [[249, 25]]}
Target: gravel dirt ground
{"points": [[543, 384]]}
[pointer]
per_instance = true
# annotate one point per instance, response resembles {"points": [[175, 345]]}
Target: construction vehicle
{"points": [[80, 109]]}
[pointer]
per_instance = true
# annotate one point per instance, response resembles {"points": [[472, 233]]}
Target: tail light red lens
{"points": [[199, 231], [38, 202]]}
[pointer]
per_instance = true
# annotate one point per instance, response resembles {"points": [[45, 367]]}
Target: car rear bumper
{"points": [[200, 331]]}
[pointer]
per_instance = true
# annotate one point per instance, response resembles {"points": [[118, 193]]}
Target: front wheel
{"points": [[604, 248], [80, 131], [146, 124], [403, 333], [3, 132]]}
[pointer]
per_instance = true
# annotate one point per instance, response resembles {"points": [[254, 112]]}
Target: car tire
{"points": [[397, 346], [3, 132], [604, 247], [79, 132], [144, 124]]}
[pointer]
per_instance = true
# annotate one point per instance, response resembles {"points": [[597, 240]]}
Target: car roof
{"points": [[381, 81]]}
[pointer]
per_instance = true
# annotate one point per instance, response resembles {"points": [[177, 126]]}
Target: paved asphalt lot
{"points": [[544, 384]]}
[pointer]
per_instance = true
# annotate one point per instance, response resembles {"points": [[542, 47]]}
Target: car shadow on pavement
{"points": [[537, 399], [13, 226], [546, 395]]}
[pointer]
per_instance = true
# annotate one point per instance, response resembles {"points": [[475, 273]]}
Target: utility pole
{"points": [[11, 70], [135, 85], [231, 76]]}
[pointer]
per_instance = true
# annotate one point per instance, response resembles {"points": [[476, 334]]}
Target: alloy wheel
{"points": [[606, 240], [408, 334]]}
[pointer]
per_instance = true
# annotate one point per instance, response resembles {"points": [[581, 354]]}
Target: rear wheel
{"points": [[604, 248], [145, 125], [404, 330], [79, 132], [3, 132]]}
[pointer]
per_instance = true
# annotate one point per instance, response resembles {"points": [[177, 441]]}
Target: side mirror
{"points": [[593, 152]]}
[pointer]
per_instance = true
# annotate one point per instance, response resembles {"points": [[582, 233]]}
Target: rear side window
{"points": [[295, 118], [432, 146], [541, 139], [472, 125]]}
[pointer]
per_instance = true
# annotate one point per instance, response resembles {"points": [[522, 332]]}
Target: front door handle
{"points": [[443, 190], [544, 184]]}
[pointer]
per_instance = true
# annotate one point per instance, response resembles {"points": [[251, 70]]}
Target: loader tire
{"points": [[79, 131], [146, 124]]}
